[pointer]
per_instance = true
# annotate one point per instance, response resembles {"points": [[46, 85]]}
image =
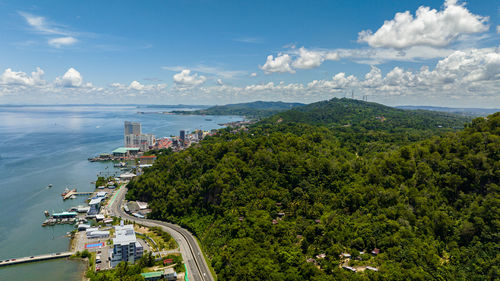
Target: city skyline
{"points": [[439, 53]]}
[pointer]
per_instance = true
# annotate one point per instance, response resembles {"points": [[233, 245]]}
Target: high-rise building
{"points": [[182, 135], [132, 128], [125, 245], [133, 136]]}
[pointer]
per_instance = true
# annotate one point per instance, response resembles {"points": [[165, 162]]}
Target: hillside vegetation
{"points": [[285, 199], [254, 110]]}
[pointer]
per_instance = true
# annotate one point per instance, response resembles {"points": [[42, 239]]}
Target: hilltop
{"points": [[254, 110], [369, 115], [289, 197]]}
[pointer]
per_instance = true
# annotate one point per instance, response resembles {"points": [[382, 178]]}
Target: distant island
{"points": [[252, 110]]}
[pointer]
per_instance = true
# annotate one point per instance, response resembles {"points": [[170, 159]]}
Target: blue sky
{"points": [[215, 52]]}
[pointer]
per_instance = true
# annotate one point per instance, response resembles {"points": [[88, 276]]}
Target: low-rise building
{"points": [[97, 234]]}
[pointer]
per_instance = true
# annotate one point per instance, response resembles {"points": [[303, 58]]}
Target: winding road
{"points": [[191, 252]]}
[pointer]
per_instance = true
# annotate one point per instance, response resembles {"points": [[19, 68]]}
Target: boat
{"points": [[50, 185], [66, 191], [120, 165], [208, 119], [46, 213], [72, 197]]}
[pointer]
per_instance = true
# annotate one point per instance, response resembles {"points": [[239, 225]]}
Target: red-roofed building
{"points": [[147, 160]]}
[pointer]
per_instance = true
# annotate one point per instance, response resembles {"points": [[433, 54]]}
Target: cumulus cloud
{"points": [[338, 82], [10, 77], [72, 78], [429, 27], [279, 64], [307, 59], [470, 76], [62, 41], [185, 78]]}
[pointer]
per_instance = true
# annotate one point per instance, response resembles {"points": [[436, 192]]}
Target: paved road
{"points": [[189, 248]]}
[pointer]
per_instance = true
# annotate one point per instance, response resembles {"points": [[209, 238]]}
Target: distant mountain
{"points": [[368, 115], [462, 111], [257, 109]]}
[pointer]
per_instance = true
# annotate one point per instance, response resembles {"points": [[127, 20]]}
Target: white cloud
{"points": [[136, 86], [62, 41], [338, 82], [498, 29], [429, 27], [10, 77], [185, 78], [279, 64], [253, 74], [310, 58], [468, 77], [72, 78], [226, 74], [42, 26]]}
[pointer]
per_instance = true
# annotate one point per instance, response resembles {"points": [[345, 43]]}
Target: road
{"points": [[191, 252]]}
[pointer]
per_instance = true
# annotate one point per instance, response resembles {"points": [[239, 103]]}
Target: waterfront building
{"points": [[133, 136], [142, 141], [125, 151], [83, 226], [64, 215], [97, 234], [132, 128], [182, 135], [95, 206], [125, 245]]}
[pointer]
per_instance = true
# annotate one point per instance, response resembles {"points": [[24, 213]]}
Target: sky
{"points": [[440, 53]]}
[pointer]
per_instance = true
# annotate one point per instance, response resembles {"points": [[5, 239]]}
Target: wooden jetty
{"points": [[71, 193]]}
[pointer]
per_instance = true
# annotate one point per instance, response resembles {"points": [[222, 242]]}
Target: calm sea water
{"points": [[42, 145]]}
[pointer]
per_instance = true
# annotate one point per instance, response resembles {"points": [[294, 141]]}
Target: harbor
{"points": [[63, 142]]}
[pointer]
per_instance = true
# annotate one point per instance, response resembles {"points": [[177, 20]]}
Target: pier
{"points": [[71, 193], [36, 258]]}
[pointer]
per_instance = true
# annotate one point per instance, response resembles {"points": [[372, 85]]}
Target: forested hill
{"points": [[369, 115], [284, 201], [258, 109], [367, 127]]}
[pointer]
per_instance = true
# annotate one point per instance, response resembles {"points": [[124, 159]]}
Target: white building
{"points": [[97, 234], [142, 141], [125, 246]]}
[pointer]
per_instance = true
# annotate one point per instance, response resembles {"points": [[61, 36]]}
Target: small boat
{"points": [[208, 119], [50, 185], [46, 213], [72, 197], [66, 191]]}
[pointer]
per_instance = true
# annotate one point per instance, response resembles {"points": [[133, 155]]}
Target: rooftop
{"points": [[124, 235], [125, 149], [153, 274]]}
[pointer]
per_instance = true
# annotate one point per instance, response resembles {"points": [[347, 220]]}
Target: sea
{"points": [[42, 145]]}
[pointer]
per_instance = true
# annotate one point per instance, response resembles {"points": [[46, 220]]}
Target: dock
{"points": [[36, 258], [71, 193]]}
